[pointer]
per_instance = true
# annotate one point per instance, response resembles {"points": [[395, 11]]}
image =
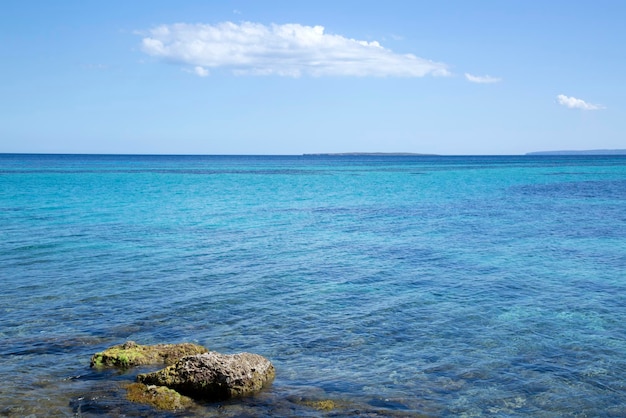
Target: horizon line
{"points": [[341, 154]]}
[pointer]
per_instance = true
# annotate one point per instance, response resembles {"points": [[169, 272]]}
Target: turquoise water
{"points": [[395, 286]]}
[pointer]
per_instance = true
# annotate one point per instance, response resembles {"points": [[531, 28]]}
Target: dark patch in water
{"points": [[50, 345], [204, 172], [387, 404], [615, 189]]}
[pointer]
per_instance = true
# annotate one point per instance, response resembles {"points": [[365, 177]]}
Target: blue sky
{"points": [[291, 77]]}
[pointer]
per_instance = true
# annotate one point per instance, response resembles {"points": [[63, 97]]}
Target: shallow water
{"points": [[395, 286]]}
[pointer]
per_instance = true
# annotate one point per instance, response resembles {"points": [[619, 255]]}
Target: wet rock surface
{"points": [[320, 405], [159, 397], [131, 354], [213, 376]]}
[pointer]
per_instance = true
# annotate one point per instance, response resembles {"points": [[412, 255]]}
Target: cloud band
{"points": [[482, 79], [285, 50], [574, 103]]}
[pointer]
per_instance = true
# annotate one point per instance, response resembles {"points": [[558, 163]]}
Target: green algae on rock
{"points": [[321, 405], [158, 396], [132, 354], [213, 376]]}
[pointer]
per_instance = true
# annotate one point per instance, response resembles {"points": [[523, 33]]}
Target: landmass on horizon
{"points": [[413, 154], [367, 154], [581, 152]]}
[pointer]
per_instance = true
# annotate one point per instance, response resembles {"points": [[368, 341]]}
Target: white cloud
{"points": [[285, 50], [574, 103], [482, 79], [200, 71]]}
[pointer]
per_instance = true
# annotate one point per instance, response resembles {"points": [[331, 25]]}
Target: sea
{"points": [[378, 286]]}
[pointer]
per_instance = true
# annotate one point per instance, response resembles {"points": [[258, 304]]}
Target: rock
{"points": [[158, 396], [213, 376], [132, 354], [323, 405]]}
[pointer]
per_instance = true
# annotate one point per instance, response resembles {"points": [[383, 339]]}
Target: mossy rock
{"points": [[159, 397], [321, 405], [131, 354], [213, 376]]}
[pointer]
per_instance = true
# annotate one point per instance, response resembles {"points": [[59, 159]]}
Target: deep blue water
{"points": [[396, 286]]}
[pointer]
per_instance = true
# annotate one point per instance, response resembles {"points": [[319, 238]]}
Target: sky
{"points": [[464, 77]]}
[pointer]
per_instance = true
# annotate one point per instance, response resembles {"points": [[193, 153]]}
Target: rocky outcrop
{"points": [[159, 397], [213, 376], [132, 354]]}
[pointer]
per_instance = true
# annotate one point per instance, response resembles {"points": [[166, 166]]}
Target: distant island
{"points": [[583, 152], [412, 154], [371, 154]]}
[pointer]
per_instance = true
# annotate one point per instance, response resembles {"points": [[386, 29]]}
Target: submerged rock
{"points": [[321, 405], [214, 376], [158, 396], [132, 354]]}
